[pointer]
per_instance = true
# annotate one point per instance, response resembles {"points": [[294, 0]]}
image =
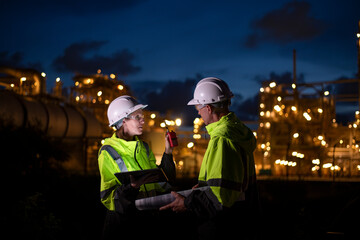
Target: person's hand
{"points": [[148, 178], [195, 186], [168, 148], [177, 205]]}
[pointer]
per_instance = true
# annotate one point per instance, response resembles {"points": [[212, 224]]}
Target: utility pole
{"points": [[295, 91], [358, 47], [294, 66], [358, 59]]}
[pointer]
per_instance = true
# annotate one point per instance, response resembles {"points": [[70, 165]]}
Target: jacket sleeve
{"points": [[203, 203], [225, 170], [167, 164], [114, 196]]}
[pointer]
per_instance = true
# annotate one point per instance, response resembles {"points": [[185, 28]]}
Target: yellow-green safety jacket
{"points": [[228, 165], [135, 156]]}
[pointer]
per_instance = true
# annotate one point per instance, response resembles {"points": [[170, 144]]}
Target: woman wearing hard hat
{"points": [[124, 151]]}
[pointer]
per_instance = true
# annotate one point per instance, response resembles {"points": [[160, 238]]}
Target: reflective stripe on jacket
{"points": [[135, 157], [228, 163]]}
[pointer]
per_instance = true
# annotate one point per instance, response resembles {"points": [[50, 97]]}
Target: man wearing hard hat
{"points": [[123, 152], [229, 207]]}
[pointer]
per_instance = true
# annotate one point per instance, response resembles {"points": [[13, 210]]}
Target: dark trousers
{"points": [[237, 222], [149, 224]]}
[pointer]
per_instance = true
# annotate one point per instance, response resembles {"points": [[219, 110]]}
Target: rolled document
{"points": [[162, 200]]}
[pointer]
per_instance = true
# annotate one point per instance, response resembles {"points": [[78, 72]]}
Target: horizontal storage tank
{"points": [[54, 119]]}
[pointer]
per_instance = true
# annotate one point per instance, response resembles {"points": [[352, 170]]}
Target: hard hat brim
{"points": [[193, 102], [133, 109], [137, 107]]}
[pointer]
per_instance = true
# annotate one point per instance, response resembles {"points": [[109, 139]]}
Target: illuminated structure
{"points": [[298, 133], [95, 92], [25, 103], [26, 82]]}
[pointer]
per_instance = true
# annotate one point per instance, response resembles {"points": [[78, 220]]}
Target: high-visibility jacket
{"points": [[228, 164], [135, 156]]}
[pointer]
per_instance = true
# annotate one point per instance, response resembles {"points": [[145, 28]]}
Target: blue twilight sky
{"points": [[148, 40]]}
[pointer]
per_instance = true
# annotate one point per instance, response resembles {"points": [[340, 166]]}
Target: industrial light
{"points": [[272, 84], [277, 108], [327, 165], [307, 116], [316, 161], [196, 136], [178, 122]]}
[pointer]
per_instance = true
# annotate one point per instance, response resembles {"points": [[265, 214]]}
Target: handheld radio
{"points": [[172, 138]]}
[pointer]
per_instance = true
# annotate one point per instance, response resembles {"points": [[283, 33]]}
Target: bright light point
{"points": [[272, 84], [178, 122]]}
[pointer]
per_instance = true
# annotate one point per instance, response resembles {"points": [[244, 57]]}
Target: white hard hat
{"points": [[122, 107], [210, 90]]}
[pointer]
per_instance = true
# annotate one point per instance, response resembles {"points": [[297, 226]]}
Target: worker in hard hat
{"points": [[228, 208], [125, 151]]}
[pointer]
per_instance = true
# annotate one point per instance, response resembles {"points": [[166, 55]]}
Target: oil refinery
{"points": [[297, 135]]}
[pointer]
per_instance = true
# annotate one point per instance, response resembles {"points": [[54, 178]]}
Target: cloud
{"points": [[13, 60], [75, 59], [169, 97], [16, 60], [290, 23]]}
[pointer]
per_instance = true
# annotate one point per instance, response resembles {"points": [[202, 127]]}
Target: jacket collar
{"points": [[212, 126]]}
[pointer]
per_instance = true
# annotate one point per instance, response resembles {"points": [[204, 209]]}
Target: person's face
{"points": [[205, 112], [134, 123]]}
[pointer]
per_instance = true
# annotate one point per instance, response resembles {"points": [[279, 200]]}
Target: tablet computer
{"points": [[157, 173]]}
